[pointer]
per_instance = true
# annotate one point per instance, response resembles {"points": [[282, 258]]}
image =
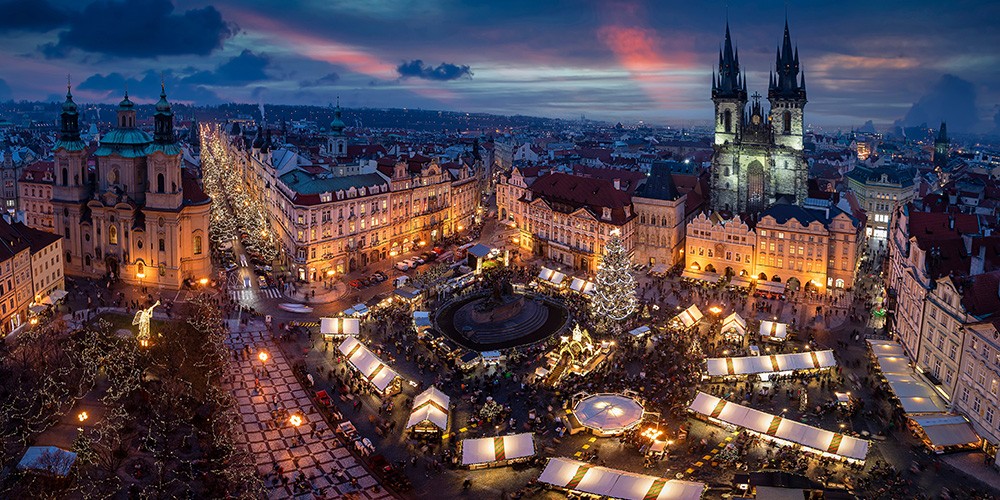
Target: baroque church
{"points": [[129, 209], [758, 158]]}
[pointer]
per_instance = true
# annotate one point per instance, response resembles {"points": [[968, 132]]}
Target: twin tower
{"points": [[758, 158]]}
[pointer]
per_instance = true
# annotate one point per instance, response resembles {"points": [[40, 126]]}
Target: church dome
{"points": [[126, 103]]}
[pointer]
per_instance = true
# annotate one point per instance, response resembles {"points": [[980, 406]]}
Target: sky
{"points": [[908, 60]]}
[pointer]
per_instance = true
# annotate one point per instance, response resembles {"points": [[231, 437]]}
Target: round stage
{"points": [[490, 321], [608, 414]]}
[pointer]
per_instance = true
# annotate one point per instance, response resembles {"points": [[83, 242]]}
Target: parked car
{"points": [[403, 265], [381, 275], [355, 283]]}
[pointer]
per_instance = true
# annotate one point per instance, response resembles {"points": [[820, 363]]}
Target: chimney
{"points": [[618, 184]]}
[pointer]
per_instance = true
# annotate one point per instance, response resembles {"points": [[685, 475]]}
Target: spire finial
{"points": [[163, 87], [126, 90]]}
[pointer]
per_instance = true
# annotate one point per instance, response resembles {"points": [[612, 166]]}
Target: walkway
{"points": [[326, 463]]}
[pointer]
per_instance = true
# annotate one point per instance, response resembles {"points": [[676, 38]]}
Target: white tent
{"points": [[551, 276], [734, 323], [690, 316], [946, 430], [338, 327], [602, 481], [583, 286], [608, 413], [773, 330], [430, 407], [886, 348], [770, 286], [360, 309], [814, 439], [363, 360], [775, 363], [421, 320], [894, 365], [701, 276], [497, 450]]}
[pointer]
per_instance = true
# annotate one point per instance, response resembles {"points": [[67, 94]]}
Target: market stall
{"points": [[775, 363], [772, 287], [782, 430], [333, 328], [688, 317], [693, 275], [945, 432], [497, 451], [430, 413], [552, 277], [734, 328], [608, 414], [580, 285], [582, 477], [383, 379], [740, 282], [773, 331]]}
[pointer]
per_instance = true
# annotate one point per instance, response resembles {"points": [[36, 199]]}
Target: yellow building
{"points": [[719, 245], [143, 217]]}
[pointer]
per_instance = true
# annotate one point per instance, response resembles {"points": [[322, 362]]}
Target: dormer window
{"points": [[607, 214]]}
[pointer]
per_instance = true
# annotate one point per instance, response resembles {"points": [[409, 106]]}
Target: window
{"points": [[727, 120], [977, 404], [786, 122], [989, 414], [197, 245], [159, 183], [113, 235], [162, 246]]}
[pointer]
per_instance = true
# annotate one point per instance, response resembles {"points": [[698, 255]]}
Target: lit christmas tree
{"points": [[614, 296]]}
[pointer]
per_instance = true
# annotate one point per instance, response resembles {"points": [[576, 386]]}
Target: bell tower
{"points": [[163, 163], [70, 166], [787, 95], [336, 143], [729, 93]]}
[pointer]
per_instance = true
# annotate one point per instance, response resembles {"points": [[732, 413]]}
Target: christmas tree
{"points": [[614, 296]]}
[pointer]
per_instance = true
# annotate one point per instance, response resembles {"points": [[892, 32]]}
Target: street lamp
{"points": [[262, 357], [82, 416], [203, 281]]}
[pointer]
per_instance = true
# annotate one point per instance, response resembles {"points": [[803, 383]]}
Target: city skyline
{"points": [[612, 61]]}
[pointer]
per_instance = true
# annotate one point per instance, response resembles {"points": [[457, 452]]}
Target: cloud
{"points": [[443, 72], [31, 15], [142, 29], [245, 68], [951, 99], [5, 94], [328, 79], [147, 87]]}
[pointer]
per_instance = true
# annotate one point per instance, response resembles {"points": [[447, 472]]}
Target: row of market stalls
{"points": [[746, 282], [384, 380], [770, 365], [559, 280], [926, 411], [781, 430], [581, 477]]}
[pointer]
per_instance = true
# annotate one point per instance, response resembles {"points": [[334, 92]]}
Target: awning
{"points": [[497, 449], [47, 301], [422, 320], [947, 430], [360, 309], [775, 363], [774, 427], [407, 292], [430, 406], [741, 281], [690, 316], [58, 295], [601, 481], [583, 286], [364, 361], [659, 269], [639, 332], [770, 286], [700, 275], [551, 276], [479, 250], [886, 348], [773, 330], [734, 323], [339, 326]]}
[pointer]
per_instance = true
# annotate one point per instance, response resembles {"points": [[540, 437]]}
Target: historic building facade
{"points": [[140, 216], [661, 214], [35, 192], [879, 192], [758, 158]]}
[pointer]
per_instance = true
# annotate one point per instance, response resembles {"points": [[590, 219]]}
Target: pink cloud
{"points": [[639, 51]]}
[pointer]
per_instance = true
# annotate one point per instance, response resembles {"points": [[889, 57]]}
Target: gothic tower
{"points": [[941, 146], [729, 93], [787, 96]]}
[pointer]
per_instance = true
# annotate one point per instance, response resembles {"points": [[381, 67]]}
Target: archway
{"points": [[762, 277], [776, 279], [710, 268], [755, 186], [794, 284], [111, 264], [729, 272], [743, 272], [352, 265], [696, 266]]}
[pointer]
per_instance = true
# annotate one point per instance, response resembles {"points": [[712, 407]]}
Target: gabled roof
{"points": [[981, 297], [37, 170], [576, 192]]}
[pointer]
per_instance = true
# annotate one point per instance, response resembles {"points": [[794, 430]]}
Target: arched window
{"points": [[786, 120], [197, 245], [140, 268], [340, 148], [159, 183], [163, 246], [727, 119], [69, 257], [65, 177], [113, 235]]}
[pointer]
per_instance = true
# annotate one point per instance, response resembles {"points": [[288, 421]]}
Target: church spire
{"points": [[729, 83], [69, 130], [163, 119], [786, 69]]}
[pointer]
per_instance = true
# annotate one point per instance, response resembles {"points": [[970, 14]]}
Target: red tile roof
{"points": [[36, 172], [981, 296], [584, 192]]}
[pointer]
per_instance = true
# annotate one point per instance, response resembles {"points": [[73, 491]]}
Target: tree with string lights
{"points": [[614, 288]]}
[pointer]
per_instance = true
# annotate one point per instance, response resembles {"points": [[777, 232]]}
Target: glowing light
{"points": [[140, 275], [715, 309], [203, 281], [295, 420], [82, 416], [262, 356]]}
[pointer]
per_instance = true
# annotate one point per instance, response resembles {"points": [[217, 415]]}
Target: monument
{"points": [[142, 317]]}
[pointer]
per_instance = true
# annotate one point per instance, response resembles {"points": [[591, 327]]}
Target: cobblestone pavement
{"points": [[313, 450]]}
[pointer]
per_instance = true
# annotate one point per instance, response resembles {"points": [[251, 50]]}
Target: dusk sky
{"points": [[622, 60]]}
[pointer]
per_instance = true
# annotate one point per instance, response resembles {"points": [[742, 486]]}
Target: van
{"points": [[401, 281]]}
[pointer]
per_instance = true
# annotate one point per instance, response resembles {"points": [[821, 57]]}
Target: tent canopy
{"points": [[775, 363], [583, 286], [700, 275], [773, 330], [363, 360], [770, 286], [947, 430], [734, 322], [479, 250], [602, 481], [690, 316], [407, 292], [339, 326], [608, 412], [430, 406], [771, 426], [886, 348], [497, 449], [551, 276]]}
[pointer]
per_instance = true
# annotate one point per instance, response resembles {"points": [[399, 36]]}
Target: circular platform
{"points": [[483, 322], [608, 414]]}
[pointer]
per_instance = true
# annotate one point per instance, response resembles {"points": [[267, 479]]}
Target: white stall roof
{"points": [[773, 330], [339, 326], [363, 360], [430, 406], [602, 481], [700, 275], [894, 365], [497, 449], [742, 281], [690, 316], [767, 425], [886, 348], [552, 276], [748, 365], [922, 405], [947, 429], [736, 322], [581, 285], [770, 286]]}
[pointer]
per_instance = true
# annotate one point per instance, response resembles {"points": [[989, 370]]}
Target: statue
{"points": [[142, 317]]}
